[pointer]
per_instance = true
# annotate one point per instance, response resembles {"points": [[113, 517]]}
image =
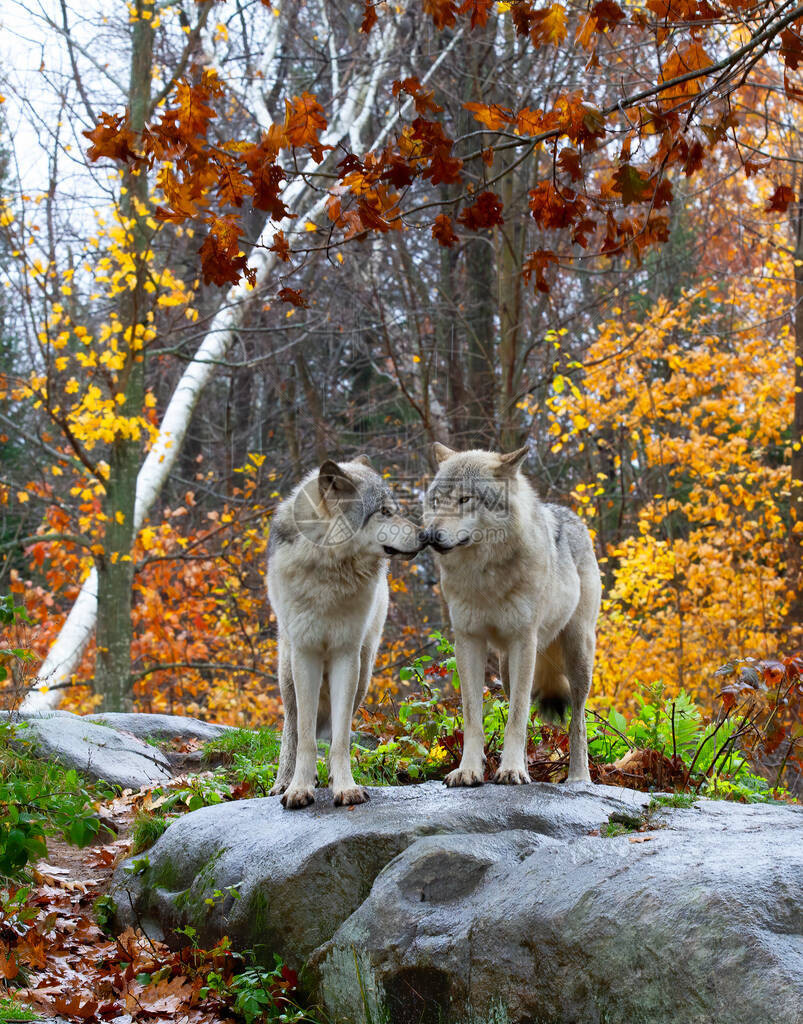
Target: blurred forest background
{"points": [[653, 381]]}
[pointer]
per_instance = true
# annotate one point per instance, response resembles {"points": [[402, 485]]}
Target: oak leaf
{"points": [[111, 138], [369, 17], [630, 183], [443, 232], [293, 297], [442, 12], [491, 115], [484, 212], [304, 120], [537, 263], [548, 26], [780, 199]]}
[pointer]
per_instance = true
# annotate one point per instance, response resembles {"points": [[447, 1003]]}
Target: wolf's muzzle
{"points": [[439, 540]]}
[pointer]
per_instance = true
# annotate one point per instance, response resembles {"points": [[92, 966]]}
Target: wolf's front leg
{"points": [[521, 666], [470, 653], [344, 672], [307, 675], [287, 757]]}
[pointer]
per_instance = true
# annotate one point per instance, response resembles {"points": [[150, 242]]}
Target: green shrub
{"points": [[40, 799]]}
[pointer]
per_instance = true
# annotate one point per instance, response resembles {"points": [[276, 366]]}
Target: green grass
{"points": [[257, 744], [146, 830], [11, 1010], [674, 800]]}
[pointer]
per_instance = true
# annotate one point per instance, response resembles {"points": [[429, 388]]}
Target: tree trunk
{"points": [[794, 615], [114, 629]]}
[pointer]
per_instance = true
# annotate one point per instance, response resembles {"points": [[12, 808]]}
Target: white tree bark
{"points": [[67, 650]]}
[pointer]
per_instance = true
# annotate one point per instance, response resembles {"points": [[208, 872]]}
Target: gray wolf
{"points": [[327, 582], [521, 576]]}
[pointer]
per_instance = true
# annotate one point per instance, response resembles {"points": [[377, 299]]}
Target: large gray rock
{"points": [[158, 727], [701, 923], [96, 750], [430, 904]]}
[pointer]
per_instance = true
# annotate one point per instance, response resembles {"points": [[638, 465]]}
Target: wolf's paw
{"points": [[352, 795], [463, 777], [278, 788], [511, 777], [578, 779], [300, 796]]}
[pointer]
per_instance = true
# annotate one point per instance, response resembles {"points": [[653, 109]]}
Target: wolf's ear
{"points": [[363, 461], [332, 478], [509, 464], [441, 452]]}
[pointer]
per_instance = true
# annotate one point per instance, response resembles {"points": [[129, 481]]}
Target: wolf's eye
{"points": [[386, 512], [462, 500]]}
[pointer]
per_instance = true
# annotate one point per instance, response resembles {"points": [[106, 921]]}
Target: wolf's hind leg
{"points": [[344, 670], [512, 770], [470, 652], [367, 659], [307, 666], [287, 757], [578, 654]]}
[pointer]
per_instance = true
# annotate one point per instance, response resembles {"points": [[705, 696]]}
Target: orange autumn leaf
{"points": [[304, 121], [491, 115]]}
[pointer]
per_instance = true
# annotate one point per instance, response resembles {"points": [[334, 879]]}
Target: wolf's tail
{"points": [[550, 685]]}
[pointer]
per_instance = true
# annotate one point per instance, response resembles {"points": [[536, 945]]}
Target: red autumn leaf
{"points": [[630, 183], [772, 671], [443, 232], [233, 185], [554, 209], [369, 17], [289, 977], [221, 260], [537, 263], [423, 98], [193, 111], [791, 48], [444, 170], [442, 12], [780, 199], [396, 170], [570, 162], [484, 212], [662, 196], [581, 231], [607, 14], [74, 1007], [349, 165], [111, 138], [280, 247], [530, 122], [266, 182], [9, 968], [480, 9], [794, 666], [694, 156], [304, 120], [293, 297], [690, 59]]}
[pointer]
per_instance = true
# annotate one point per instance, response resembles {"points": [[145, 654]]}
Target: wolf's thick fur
{"points": [[327, 582], [522, 577]]}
